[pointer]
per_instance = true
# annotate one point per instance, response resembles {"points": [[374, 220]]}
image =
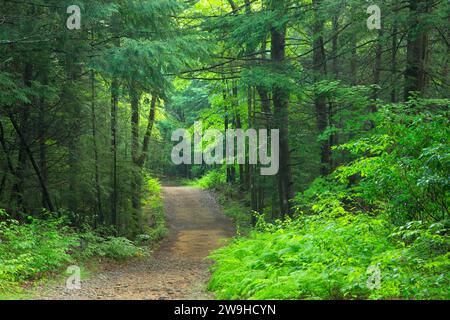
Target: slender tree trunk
{"points": [[137, 179], [281, 113], [98, 199], [334, 137], [44, 189], [3, 182], [139, 158], [377, 66], [9, 165], [226, 125], [115, 28], [42, 145], [113, 195], [353, 53], [394, 63], [134, 96], [6, 150], [319, 67], [416, 49], [334, 45], [250, 125], [148, 132], [18, 186], [42, 132], [238, 125], [264, 93], [376, 74], [73, 73]]}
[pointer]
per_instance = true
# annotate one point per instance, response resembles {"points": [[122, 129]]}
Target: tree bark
{"points": [[148, 132], [238, 125], [5, 149], [139, 157], [45, 192], [18, 186], [322, 112], [136, 172], [113, 195], [98, 194], [416, 49], [394, 63], [281, 111]]}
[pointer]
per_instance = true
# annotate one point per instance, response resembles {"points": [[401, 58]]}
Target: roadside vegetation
{"points": [[36, 247], [376, 228]]}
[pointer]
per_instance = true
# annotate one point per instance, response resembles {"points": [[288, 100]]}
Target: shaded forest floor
{"points": [[177, 269]]}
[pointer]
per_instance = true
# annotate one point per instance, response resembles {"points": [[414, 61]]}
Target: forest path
{"points": [[177, 269]]}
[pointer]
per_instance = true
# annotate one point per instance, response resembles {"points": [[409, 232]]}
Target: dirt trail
{"points": [[177, 269]]}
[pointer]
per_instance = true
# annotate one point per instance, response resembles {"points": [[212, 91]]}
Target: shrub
{"points": [[117, 248], [154, 212], [385, 212], [212, 180], [28, 250], [329, 258]]}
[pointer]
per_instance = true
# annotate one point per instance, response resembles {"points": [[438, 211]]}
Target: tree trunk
{"points": [[44, 189], [226, 125], [113, 195], [42, 145], [416, 49], [98, 199], [148, 132], [250, 125], [281, 113], [115, 28], [18, 186], [5, 150], [322, 112], [238, 125], [139, 158], [334, 45], [394, 63], [136, 172], [376, 75]]}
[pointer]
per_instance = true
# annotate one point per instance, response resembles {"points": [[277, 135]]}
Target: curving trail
{"points": [[177, 269]]}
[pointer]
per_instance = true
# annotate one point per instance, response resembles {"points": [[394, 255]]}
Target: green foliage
{"points": [[391, 187], [402, 168], [386, 210], [31, 250], [28, 250], [211, 180], [404, 164], [155, 229], [117, 248], [329, 258]]}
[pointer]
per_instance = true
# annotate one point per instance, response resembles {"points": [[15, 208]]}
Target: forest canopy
{"points": [[358, 91]]}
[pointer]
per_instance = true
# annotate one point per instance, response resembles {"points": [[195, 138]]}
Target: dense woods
{"points": [[87, 115]]}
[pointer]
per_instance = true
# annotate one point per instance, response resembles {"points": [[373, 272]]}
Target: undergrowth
{"points": [[155, 228], [38, 247], [334, 258], [31, 250], [376, 228]]}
